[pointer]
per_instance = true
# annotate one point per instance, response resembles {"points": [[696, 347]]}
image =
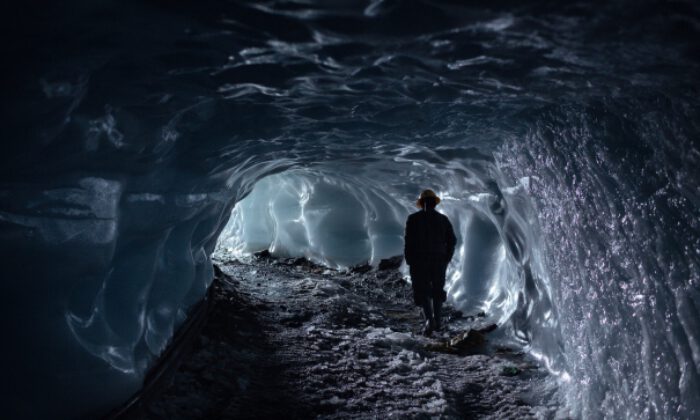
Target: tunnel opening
{"points": [[342, 221], [304, 230]]}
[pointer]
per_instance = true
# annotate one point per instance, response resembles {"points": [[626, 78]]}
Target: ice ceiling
{"points": [[562, 138]]}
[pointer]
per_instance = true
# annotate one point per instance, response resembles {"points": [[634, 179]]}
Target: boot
{"points": [[428, 312], [437, 321]]}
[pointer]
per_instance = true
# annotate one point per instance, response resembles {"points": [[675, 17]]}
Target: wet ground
{"points": [[288, 339]]}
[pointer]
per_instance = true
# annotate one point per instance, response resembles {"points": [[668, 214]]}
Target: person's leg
{"points": [[437, 322], [438, 293], [428, 312], [422, 294], [418, 285]]}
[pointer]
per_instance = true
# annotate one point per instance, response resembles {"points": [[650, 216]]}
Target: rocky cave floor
{"points": [[289, 339]]}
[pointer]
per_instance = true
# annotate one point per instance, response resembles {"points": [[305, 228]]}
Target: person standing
{"points": [[429, 243]]}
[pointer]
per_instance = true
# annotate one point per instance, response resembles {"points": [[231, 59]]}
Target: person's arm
{"points": [[451, 240], [408, 239]]}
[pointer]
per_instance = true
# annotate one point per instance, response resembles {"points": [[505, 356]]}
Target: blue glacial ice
{"points": [[562, 138]]}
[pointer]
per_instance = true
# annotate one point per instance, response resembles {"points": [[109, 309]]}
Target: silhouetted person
{"points": [[429, 244]]}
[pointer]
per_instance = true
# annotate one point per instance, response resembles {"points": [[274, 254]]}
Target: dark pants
{"points": [[428, 280]]}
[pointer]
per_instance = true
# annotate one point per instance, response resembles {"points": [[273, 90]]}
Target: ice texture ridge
{"points": [[562, 138]]}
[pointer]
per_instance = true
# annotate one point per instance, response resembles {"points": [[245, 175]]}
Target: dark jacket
{"points": [[428, 237]]}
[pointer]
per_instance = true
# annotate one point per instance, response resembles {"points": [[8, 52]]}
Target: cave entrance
{"points": [[309, 320], [312, 308], [343, 222]]}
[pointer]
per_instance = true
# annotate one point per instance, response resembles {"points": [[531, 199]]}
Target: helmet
{"points": [[427, 194]]}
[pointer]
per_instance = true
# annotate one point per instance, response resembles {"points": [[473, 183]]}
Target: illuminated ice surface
{"points": [[310, 342], [322, 217], [562, 138]]}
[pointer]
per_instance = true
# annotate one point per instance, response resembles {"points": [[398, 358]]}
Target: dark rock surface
{"points": [[289, 339], [392, 263]]}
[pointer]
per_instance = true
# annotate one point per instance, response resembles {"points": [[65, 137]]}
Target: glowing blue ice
{"points": [[563, 141]]}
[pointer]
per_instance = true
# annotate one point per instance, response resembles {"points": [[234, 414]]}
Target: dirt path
{"points": [[288, 339]]}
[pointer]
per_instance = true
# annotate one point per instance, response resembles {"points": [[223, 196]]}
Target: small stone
{"points": [[488, 328], [392, 263], [263, 254], [468, 341], [363, 268], [510, 371]]}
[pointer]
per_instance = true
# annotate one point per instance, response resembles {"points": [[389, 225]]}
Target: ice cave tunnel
{"points": [[142, 138]]}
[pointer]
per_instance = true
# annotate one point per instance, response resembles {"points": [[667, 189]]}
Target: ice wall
{"points": [[618, 203], [100, 279], [327, 219], [341, 220], [562, 137]]}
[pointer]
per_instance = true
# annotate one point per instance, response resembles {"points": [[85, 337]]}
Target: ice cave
{"points": [[261, 157]]}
